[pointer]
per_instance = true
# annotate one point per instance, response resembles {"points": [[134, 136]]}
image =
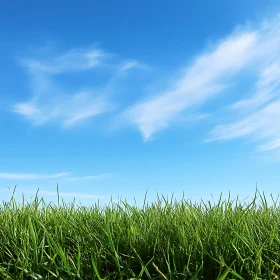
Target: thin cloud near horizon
{"points": [[90, 177], [39, 176], [31, 176], [66, 194]]}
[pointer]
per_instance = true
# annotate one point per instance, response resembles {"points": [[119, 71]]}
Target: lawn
{"points": [[165, 239]]}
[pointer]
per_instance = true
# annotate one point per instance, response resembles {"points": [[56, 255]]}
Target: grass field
{"points": [[167, 239]]}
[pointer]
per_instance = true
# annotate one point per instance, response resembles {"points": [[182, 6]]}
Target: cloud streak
{"points": [[53, 100], [92, 177], [67, 110], [263, 125], [72, 60], [260, 113], [246, 52], [63, 175], [266, 89], [201, 81], [31, 176], [67, 194]]}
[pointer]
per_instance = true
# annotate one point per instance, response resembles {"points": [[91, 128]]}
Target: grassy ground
{"points": [[163, 240]]}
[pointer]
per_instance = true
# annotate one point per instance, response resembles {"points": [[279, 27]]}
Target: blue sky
{"points": [[116, 98]]}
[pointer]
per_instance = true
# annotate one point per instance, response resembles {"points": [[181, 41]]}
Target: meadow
{"points": [[166, 239]]}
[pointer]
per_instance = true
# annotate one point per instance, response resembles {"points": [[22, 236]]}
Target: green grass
{"points": [[167, 239]]}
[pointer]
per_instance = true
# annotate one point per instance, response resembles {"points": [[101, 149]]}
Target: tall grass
{"points": [[166, 239]]}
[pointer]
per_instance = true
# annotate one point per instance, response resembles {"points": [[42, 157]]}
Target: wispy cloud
{"points": [[72, 60], [52, 97], [260, 112], [67, 194], [202, 80], [263, 125], [67, 110], [213, 72], [266, 89], [30, 176], [91, 177], [132, 64], [64, 175]]}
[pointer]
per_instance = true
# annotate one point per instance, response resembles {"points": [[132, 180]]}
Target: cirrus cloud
{"points": [[248, 51], [53, 100]]}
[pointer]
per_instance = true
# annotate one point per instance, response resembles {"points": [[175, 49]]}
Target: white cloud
{"points": [[72, 60], [30, 176], [66, 194], [260, 113], [263, 125], [211, 73], [67, 110], [64, 175], [132, 64], [267, 88], [53, 100], [91, 177], [26, 109]]}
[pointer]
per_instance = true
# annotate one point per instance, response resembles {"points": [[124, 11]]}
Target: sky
{"points": [[116, 99]]}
